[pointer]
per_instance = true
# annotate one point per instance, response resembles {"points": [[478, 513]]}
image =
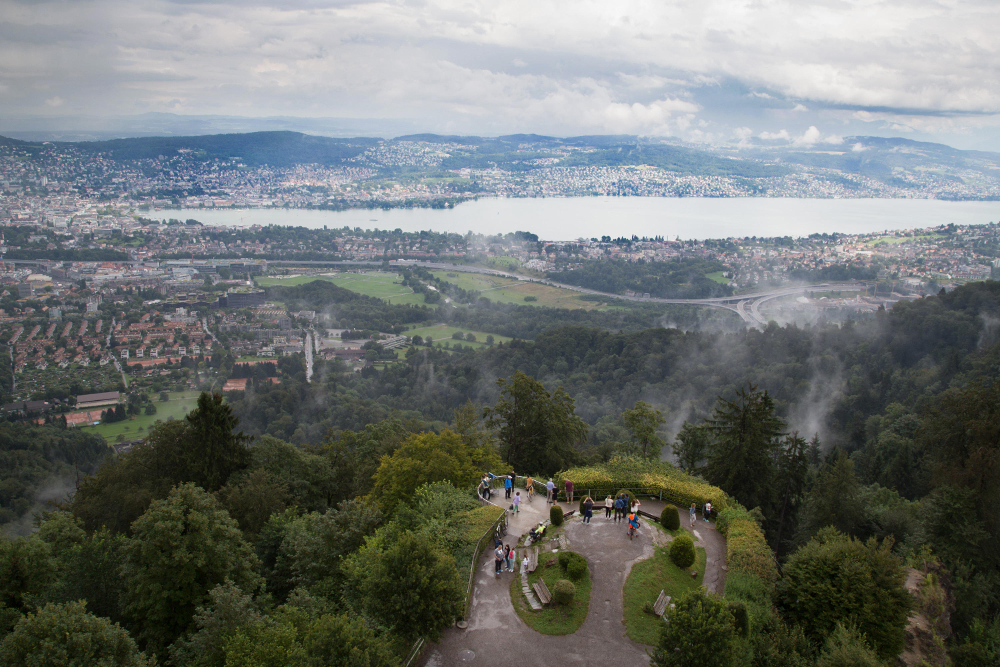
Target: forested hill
{"points": [[680, 279], [277, 149]]}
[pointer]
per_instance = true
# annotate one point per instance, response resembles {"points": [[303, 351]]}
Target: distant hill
{"points": [[279, 149]]}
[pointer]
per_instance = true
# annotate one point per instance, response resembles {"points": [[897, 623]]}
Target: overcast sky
{"points": [[803, 71]]}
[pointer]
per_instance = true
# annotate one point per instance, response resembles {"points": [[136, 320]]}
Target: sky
{"points": [[717, 71]]}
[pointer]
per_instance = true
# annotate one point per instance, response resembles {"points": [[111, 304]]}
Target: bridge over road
{"points": [[747, 306]]}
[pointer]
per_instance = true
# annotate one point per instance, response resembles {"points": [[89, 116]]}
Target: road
{"points": [[737, 303], [107, 344]]}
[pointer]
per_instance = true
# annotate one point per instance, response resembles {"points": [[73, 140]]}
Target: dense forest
{"points": [[679, 279], [853, 450]]}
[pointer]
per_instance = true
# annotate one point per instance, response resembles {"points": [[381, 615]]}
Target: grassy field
{"points": [[375, 283], [178, 406], [896, 240], [552, 620], [442, 334], [644, 584], [718, 277], [510, 290]]}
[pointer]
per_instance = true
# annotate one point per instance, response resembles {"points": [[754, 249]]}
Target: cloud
{"points": [[775, 136], [502, 65], [858, 148], [55, 102]]}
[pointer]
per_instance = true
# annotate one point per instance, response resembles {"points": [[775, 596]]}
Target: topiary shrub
{"points": [[682, 551], [556, 515], [563, 592], [631, 497], [741, 617], [564, 558], [669, 518], [577, 568]]}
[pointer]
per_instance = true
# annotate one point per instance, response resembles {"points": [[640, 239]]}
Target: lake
{"points": [[564, 219]]}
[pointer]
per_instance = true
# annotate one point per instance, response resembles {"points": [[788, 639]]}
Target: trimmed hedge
{"points": [[746, 549], [682, 551], [563, 592], [669, 518], [636, 473], [556, 515]]}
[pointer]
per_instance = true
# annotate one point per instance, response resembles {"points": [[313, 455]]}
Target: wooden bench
{"points": [[542, 591], [568, 514], [661, 603]]}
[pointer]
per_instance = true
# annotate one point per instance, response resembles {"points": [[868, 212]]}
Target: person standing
{"points": [[619, 509], [568, 487], [550, 489], [530, 486], [507, 487], [517, 502], [708, 510], [608, 505], [588, 509], [498, 560], [692, 515], [511, 555]]}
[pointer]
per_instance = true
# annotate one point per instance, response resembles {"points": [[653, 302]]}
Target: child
{"points": [[524, 563], [517, 502]]}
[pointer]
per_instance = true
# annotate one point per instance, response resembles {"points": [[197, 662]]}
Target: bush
{"points": [[647, 608], [669, 518], [746, 549], [741, 618], [682, 551], [530, 298], [577, 568], [563, 592], [564, 558], [556, 515]]}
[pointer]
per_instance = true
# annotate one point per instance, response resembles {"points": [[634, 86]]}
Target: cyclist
{"points": [[633, 524]]}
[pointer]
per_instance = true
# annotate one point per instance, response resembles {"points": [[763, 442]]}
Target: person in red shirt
{"points": [[568, 487]]}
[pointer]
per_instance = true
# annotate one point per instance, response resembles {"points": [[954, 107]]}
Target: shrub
{"points": [[577, 568], [635, 473], [564, 558], [741, 617], [563, 592], [746, 549], [530, 298], [556, 515], [647, 608], [669, 518], [682, 551]]}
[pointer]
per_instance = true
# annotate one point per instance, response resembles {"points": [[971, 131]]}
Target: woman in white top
{"points": [[608, 505]]}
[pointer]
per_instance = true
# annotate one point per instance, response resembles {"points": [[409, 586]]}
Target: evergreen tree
{"points": [[537, 430], [743, 452], [642, 421]]}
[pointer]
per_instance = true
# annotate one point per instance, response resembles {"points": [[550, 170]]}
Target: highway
{"points": [[747, 306]]}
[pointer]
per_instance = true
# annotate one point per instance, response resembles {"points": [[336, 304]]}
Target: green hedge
{"points": [[746, 549], [636, 473]]}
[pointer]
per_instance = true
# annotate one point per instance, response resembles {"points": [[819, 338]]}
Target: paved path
{"points": [[496, 634]]}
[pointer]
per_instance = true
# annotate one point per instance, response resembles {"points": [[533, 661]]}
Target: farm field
{"points": [[509, 290], [375, 283], [180, 404]]}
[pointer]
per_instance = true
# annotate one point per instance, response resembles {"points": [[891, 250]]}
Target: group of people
{"points": [[504, 558]]}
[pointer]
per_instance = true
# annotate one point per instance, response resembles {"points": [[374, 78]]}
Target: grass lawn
{"points": [[644, 584], [178, 406], [717, 277], [374, 283], [442, 334], [552, 620], [510, 290]]}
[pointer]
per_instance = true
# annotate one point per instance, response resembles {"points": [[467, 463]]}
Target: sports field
{"points": [[180, 404], [375, 283]]}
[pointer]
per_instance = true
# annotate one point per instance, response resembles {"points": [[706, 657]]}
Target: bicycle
{"points": [[631, 531]]}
